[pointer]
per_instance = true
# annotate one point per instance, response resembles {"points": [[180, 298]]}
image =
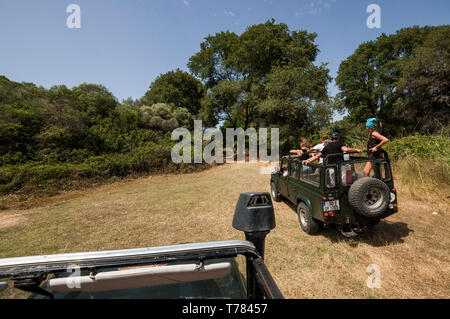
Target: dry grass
{"points": [[411, 248]]}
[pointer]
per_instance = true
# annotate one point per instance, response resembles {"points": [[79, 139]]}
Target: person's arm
{"points": [[315, 149], [346, 149], [312, 159], [380, 137]]}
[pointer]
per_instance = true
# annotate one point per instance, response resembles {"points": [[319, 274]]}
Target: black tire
{"points": [[307, 222], [369, 197], [275, 193]]}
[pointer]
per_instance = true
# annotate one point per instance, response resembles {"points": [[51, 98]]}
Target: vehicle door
{"points": [[309, 187], [282, 185]]}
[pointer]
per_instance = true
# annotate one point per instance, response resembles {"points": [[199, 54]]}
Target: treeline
{"points": [[49, 138], [264, 77]]}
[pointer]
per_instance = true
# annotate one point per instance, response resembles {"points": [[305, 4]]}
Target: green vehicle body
{"points": [[310, 187]]}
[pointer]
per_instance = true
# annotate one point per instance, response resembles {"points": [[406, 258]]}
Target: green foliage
{"points": [[165, 117], [216, 60], [422, 163], [265, 76], [401, 79], [354, 135], [175, 87], [429, 147], [426, 105], [52, 137]]}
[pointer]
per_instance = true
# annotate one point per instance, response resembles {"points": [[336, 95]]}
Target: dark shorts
{"points": [[375, 155]]}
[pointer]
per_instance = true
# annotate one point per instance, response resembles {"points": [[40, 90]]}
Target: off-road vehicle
{"points": [[187, 271], [337, 193]]}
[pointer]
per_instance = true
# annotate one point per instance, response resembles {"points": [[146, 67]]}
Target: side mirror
{"points": [[254, 215]]}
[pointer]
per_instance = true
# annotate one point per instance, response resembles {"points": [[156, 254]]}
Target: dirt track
{"points": [[410, 249]]}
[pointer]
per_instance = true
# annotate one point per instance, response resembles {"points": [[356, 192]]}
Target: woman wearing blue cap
{"points": [[374, 142]]}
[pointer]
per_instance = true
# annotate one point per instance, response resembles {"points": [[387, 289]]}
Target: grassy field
{"points": [[411, 248]]}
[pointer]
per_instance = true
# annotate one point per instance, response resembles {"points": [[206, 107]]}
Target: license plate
{"points": [[330, 205]]}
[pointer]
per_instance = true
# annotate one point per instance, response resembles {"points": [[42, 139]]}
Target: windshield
{"points": [[229, 286]]}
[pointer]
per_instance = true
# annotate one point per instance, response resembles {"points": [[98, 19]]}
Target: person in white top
{"points": [[319, 147]]}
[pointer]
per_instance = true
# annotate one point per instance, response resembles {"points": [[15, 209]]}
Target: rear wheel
{"points": [[275, 193], [307, 222], [369, 197]]}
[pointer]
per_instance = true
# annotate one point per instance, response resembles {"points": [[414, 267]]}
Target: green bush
{"points": [[151, 158], [429, 147]]}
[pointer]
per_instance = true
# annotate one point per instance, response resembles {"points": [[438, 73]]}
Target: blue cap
{"points": [[335, 136], [373, 123]]}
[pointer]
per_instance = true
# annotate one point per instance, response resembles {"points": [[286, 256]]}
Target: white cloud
{"points": [[314, 7], [185, 3], [229, 13]]}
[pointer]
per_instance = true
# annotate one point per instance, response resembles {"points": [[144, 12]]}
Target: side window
{"points": [[310, 174], [293, 170], [284, 167]]}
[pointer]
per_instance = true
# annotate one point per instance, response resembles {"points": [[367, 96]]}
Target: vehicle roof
{"points": [[20, 266]]}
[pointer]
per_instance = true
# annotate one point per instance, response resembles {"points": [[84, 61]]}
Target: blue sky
{"points": [[125, 45]]}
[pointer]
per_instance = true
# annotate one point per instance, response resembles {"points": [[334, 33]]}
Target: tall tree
{"points": [[370, 78], [175, 87], [216, 60], [425, 83], [237, 69]]}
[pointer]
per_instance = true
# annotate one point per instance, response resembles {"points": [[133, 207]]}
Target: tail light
{"points": [[348, 178]]}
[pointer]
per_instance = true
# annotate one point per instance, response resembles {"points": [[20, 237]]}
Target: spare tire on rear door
{"points": [[369, 196]]}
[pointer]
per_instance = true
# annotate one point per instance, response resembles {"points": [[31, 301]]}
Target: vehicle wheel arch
{"points": [[305, 200]]}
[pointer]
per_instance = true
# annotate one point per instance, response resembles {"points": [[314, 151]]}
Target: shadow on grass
{"points": [[384, 234]]}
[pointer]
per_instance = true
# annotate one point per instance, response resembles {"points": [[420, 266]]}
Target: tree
{"points": [[216, 60], [165, 117], [175, 87], [369, 79], [425, 82], [237, 70]]}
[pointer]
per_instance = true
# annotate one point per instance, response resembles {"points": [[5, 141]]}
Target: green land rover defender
{"points": [[337, 193]]}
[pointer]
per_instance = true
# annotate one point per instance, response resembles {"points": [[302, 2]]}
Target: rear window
{"points": [[352, 172], [330, 177]]}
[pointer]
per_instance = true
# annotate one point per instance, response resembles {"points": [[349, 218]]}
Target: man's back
{"points": [[334, 147]]}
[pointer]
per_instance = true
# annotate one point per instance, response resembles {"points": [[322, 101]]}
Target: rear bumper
{"points": [[355, 218]]}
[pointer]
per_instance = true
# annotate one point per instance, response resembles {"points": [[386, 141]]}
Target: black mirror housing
{"points": [[254, 213]]}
